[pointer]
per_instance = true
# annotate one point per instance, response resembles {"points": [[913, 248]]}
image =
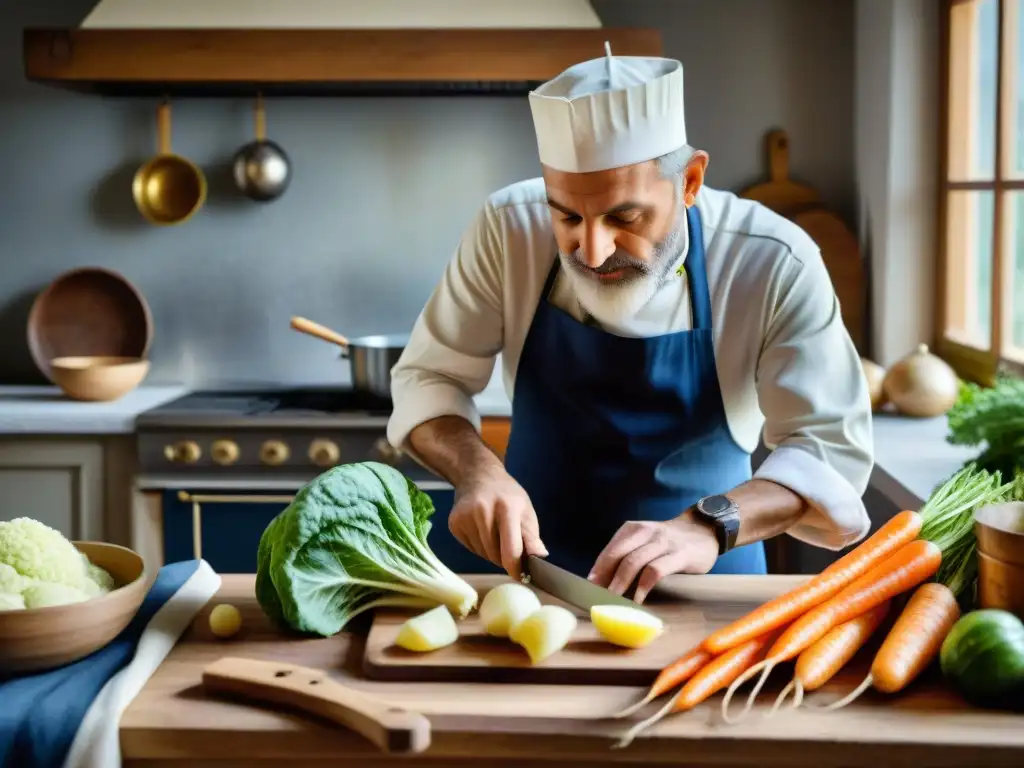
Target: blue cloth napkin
{"points": [[40, 714]]}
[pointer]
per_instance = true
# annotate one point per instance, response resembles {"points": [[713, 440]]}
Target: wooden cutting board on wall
{"points": [[839, 247]]}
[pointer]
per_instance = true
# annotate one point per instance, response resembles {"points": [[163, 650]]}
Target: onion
{"points": [[875, 374], [922, 384], [505, 606]]}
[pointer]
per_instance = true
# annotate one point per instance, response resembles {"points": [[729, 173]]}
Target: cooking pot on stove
{"points": [[371, 358]]}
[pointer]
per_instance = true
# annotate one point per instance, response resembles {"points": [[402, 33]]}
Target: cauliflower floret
{"points": [[103, 582], [44, 594], [11, 602], [39, 552], [11, 582]]}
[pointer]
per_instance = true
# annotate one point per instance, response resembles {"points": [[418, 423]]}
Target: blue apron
{"points": [[608, 429]]}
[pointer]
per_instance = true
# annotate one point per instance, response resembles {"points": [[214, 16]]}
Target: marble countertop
{"points": [[912, 457], [44, 410]]}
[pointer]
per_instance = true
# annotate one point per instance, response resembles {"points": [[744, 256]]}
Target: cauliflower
{"points": [[11, 582], [39, 567], [11, 602], [44, 594]]}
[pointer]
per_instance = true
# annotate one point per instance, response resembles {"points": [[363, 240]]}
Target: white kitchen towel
{"points": [[97, 743]]}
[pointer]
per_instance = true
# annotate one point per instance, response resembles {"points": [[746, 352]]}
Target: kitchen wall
{"points": [[381, 191]]}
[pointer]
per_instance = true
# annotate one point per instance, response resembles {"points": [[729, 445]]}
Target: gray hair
{"points": [[672, 165]]}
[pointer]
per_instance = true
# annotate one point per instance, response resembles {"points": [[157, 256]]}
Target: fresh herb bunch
{"points": [[993, 417]]}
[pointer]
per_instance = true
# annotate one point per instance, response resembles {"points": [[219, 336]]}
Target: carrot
{"points": [[711, 678], [820, 663], [909, 566], [913, 642], [672, 676], [897, 532]]}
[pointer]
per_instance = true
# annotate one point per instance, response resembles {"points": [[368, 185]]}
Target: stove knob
{"points": [[224, 452], [324, 453], [185, 452], [274, 452], [386, 452]]}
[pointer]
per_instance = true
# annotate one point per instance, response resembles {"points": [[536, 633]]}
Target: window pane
{"points": [[969, 267], [973, 61], [1015, 273], [1013, 89]]}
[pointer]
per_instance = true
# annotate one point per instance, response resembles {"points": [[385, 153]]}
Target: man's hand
{"points": [[494, 518], [654, 550]]}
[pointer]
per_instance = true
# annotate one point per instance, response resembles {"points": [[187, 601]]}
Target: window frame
{"points": [[980, 365]]}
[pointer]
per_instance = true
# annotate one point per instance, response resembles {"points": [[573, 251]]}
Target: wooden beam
{"points": [[317, 59]]}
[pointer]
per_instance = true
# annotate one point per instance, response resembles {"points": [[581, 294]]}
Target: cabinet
{"points": [[59, 482]]}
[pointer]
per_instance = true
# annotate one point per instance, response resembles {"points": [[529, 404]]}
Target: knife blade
{"points": [[568, 587]]}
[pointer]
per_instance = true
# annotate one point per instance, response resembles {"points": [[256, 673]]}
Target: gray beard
{"points": [[611, 304]]}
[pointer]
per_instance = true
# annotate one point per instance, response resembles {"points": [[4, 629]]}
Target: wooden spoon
{"points": [[392, 729], [302, 325]]}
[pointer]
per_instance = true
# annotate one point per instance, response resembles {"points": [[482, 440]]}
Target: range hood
{"points": [[328, 47]]}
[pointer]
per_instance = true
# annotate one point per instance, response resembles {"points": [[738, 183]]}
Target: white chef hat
{"points": [[610, 112]]}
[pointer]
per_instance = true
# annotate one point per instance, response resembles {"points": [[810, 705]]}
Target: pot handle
{"points": [[302, 325]]}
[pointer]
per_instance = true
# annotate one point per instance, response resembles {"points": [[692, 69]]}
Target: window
{"points": [[981, 270]]}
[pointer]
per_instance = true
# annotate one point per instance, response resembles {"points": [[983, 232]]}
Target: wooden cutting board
{"points": [[587, 659], [845, 264], [780, 193]]}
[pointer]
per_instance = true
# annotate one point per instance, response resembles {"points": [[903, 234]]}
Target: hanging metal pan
{"points": [[168, 189], [262, 169]]}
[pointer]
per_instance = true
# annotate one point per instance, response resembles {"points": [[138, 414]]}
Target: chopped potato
{"points": [[505, 606], [225, 620], [625, 626], [544, 632], [429, 631]]}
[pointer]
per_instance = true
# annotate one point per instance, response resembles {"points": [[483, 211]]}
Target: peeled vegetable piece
{"points": [[544, 632], [625, 626], [353, 539], [429, 631], [505, 606], [225, 620]]}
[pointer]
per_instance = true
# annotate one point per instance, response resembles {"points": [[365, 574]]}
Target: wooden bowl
{"points": [[89, 311], [1000, 584], [999, 529], [45, 638], [98, 378]]}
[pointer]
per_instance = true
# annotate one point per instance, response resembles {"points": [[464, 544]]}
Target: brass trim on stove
{"points": [[198, 499]]}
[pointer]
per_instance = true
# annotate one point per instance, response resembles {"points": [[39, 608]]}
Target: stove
{"points": [[295, 433]]}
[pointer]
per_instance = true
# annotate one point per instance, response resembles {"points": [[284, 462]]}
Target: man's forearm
{"points": [[766, 510], [453, 448]]}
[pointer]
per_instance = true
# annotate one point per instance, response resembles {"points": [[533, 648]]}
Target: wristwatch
{"points": [[723, 515]]}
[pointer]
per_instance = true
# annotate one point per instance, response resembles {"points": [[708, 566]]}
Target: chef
{"points": [[650, 329]]}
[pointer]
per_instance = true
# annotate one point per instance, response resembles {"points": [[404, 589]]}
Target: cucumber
{"points": [[983, 657]]}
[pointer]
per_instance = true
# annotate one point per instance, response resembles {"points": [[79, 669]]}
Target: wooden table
{"points": [[174, 722]]}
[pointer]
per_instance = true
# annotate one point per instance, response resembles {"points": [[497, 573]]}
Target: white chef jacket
{"points": [[786, 363]]}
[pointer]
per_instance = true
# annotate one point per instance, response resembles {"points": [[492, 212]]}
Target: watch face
{"points": [[715, 506]]}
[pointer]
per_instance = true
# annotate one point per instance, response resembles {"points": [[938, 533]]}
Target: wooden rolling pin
{"points": [[392, 729]]}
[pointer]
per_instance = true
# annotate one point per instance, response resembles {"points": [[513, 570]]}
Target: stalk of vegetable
{"points": [[948, 516], [672, 676], [823, 660], [894, 534], [913, 642], [709, 680], [993, 417], [909, 566], [353, 539]]}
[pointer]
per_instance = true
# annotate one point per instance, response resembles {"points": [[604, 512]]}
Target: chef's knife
{"points": [[568, 587]]}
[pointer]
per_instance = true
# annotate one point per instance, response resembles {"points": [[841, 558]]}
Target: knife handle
{"points": [[392, 729]]}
